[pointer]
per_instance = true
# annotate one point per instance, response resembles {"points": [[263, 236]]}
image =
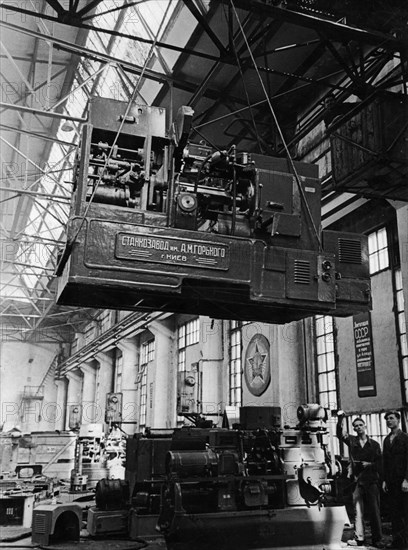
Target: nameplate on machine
{"points": [[172, 250]]}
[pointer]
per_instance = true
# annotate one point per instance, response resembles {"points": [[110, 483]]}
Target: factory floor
{"points": [[19, 537]]}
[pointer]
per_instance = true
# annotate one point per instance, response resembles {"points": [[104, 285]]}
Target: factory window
{"points": [[147, 352], [235, 367], [146, 355], [188, 334], [105, 320], [378, 250], [143, 399], [401, 328], [89, 333], [118, 371], [326, 362]]}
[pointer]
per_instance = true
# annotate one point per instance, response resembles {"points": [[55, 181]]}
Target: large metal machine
{"points": [[254, 486], [159, 223]]}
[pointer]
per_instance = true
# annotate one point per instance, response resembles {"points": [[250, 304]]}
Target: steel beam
{"points": [[111, 32], [122, 8], [181, 84], [23, 109], [36, 194], [37, 136], [205, 25], [22, 264], [335, 30]]}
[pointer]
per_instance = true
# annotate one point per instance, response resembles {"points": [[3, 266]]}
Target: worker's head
{"points": [[392, 418], [359, 426]]}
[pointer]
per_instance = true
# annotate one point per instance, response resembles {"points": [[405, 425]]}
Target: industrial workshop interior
{"points": [[204, 258]]}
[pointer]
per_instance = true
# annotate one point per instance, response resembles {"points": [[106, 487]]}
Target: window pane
{"points": [[322, 379], [398, 279], [331, 379], [320, 346], [332, 401], [401, 323], [404, 345], [400, 301], [329, 344], [328, 325], [374, 264], [324, 400], [372, 241], [319, 326], [383, 259], [405, 367], [321, 364], [330, 362], [382, 238], [378, 250]]}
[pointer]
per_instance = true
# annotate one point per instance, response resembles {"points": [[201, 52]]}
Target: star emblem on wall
{"points": [[257, 365]]}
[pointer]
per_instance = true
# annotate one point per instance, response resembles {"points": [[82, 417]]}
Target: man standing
{"points": [[396, 479], [365, 468]]}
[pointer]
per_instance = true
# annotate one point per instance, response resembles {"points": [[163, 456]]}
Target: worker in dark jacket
{"points": [[365, 470], [396, 479]]}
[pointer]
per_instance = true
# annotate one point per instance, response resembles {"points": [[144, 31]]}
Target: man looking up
{"points": [[396, 479], [365, 468]]}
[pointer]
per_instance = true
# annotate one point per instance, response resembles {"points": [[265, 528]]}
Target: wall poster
{"points": [[363, 345]]}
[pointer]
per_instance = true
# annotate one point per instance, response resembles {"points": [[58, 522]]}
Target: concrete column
{"points": [[74, 393], [402, 221], [129, 351], [210, 365], [162, 379], [104, 384], [89, 410], [61, 403]]}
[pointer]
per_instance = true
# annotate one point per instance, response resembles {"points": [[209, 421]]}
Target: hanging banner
{"points": [[363, 345]]}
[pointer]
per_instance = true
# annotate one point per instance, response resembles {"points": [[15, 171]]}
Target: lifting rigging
{"points": [[161, 223]]}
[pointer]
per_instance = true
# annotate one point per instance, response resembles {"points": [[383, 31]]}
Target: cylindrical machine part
{"points": [[191, 463], [311, 411], [111, 195], [112, 494]]}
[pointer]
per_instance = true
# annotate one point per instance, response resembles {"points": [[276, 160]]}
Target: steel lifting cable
{"points": [[302, 193], [128, 106], [238, 61]]}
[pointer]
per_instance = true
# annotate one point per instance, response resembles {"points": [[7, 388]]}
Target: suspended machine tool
{"points": [[158, 223]]}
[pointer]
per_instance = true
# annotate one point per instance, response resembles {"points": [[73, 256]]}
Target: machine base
{"points": [[299, 528]]}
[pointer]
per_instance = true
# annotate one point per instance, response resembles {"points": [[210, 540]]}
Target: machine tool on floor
{"points": [[255, 486]]}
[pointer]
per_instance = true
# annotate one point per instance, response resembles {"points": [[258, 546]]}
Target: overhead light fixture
{"points": [[67, 126]]}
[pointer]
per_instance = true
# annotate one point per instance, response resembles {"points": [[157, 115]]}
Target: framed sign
{"points": [[363, 345]]}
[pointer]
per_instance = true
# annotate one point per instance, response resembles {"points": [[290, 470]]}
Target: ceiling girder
{"points": [[122, 8], [371, 67], [36, 135], [56, 6], [57, 198], [204, 24], [75, 23], [181, 84], [352, 74], [201, 90], [333, 29], [24, 109]]}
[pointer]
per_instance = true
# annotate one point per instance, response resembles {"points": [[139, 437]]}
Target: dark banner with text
{"points": [[363, 344]]}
